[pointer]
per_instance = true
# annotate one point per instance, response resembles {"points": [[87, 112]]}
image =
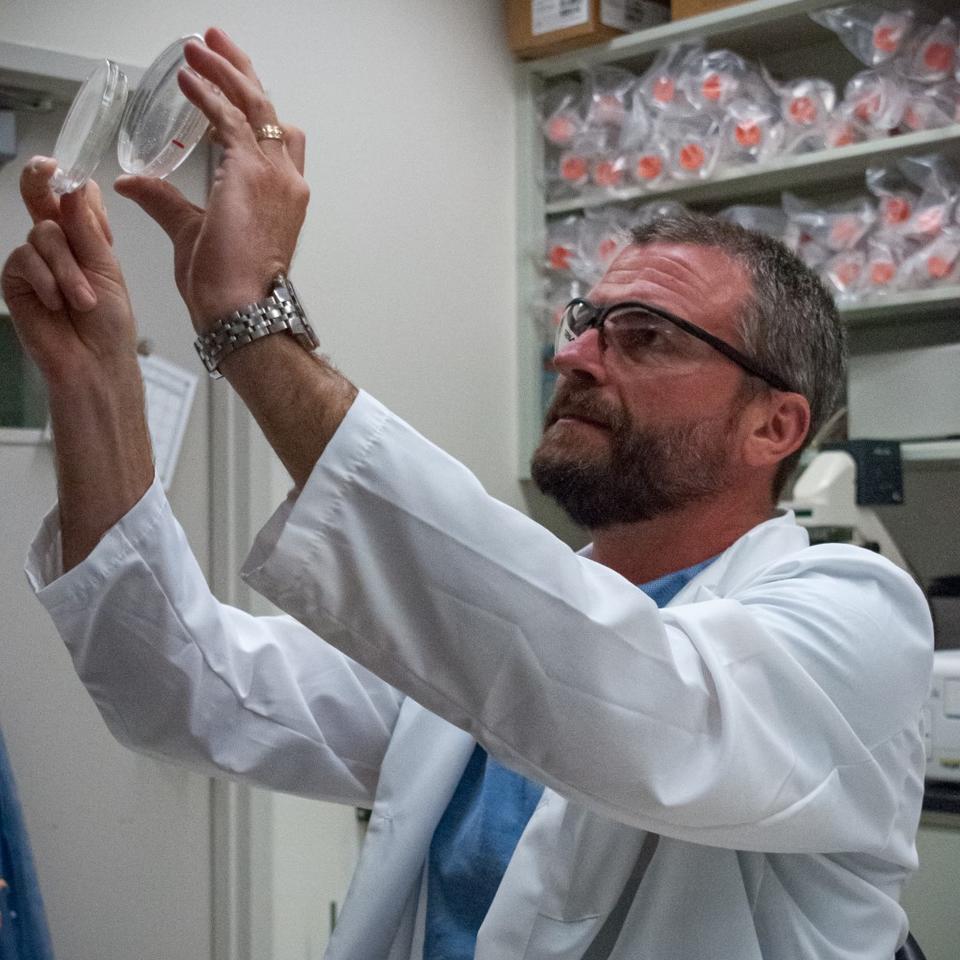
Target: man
{"points": [[731, 754]]}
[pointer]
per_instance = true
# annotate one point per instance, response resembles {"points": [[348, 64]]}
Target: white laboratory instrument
{"points": [[825, 501]]}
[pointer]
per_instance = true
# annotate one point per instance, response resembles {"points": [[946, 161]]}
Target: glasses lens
{"points": [[643, 337], [569, 328]]}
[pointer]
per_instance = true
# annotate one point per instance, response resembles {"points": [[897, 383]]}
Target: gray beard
{"points": [[646, 472]]}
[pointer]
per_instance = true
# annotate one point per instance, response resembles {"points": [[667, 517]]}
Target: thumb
{"points": [[161, 201]]}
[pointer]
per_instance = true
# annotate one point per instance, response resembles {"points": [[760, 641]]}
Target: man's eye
{"points": [[636, 335]]}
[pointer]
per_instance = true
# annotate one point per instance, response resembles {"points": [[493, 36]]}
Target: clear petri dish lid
{"points": [[90, 127], [160, 127]]}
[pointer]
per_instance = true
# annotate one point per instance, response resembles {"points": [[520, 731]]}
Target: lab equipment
{"points": [[825, 500], [155, 129]]}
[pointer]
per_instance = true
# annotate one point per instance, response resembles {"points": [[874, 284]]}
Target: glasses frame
{"points": [[599, 315]]}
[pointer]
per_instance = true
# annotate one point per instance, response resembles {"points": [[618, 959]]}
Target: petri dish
{"points": [[160, 127], [90, 126]]}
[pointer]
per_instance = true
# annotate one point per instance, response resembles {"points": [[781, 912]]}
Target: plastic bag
{"points": [[769, 220], [710, 81], [934, 263], [842, 130], [876, 98], [931, 106], [885, 256], [557, 292], [691, 143], [750, 132], [660, 86], [610, 91], [562, 241], [648, 167], [931, 54], [656, 210], [609, 170], [560, 112], [576, 162], [843, 274], [604, 232], [839, 227], [898, 198], [873, 34], [806, 105], [938, 184]]}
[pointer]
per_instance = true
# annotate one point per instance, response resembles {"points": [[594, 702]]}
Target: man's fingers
{"points": [[51, 244], [41, 202], [233, 128], [296, 143], [95, 198], [217, 39], [83, 231], [25, 272], [243, 92], [161, 201]]}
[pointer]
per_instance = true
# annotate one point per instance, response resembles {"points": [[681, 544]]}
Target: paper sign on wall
{"points": [[169, 396], [550, 15]]}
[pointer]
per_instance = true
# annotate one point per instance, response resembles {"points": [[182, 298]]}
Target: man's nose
{"points": [[582, 358]]}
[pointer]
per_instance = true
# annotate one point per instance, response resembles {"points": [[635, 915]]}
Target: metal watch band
{"points": [[280, 312]]}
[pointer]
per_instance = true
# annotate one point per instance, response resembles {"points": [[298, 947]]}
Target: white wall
{"points": [[407, 260]]}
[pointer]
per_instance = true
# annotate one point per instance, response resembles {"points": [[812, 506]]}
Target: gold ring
{"points": [[269, 131]]}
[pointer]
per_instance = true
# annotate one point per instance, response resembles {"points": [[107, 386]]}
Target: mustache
{"points": [[582, 403]]}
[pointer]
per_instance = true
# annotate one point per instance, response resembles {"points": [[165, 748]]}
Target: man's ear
{"points": [[776, 426]]}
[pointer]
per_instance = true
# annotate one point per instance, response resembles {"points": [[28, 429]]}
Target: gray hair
{"points": [[789, 324]]}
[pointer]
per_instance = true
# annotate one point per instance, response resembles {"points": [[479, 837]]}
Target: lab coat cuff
{"points": [[287, 545], [44, 564]]}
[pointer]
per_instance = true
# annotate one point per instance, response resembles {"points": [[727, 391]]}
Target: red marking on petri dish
{"points": [[560, 257], [177, 143], [938, 267]]}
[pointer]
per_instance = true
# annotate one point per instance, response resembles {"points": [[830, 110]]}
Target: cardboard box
{"points": [[692, 8], [540, 28]]}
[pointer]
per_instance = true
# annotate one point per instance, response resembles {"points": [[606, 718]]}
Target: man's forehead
{"points": [[693, 281]]}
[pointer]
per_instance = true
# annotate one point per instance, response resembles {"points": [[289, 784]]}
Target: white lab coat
{"points": [[766, 725]]}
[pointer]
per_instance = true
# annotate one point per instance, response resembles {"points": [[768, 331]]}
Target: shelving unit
{"points": [[781, 34]]}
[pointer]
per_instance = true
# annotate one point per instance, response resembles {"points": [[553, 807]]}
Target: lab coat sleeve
{"points": [[784, 718], [178, 675]]}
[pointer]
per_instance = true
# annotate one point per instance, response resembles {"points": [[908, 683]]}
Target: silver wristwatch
{"points": [[280, 312]]}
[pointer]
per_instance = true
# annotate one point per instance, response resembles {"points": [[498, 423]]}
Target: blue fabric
{"points": [[480, 829], [23, 926]]}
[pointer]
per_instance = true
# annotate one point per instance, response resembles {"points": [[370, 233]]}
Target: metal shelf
{"points": [[751, 28], [758, 25], [739, 183], [934, 302]]}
